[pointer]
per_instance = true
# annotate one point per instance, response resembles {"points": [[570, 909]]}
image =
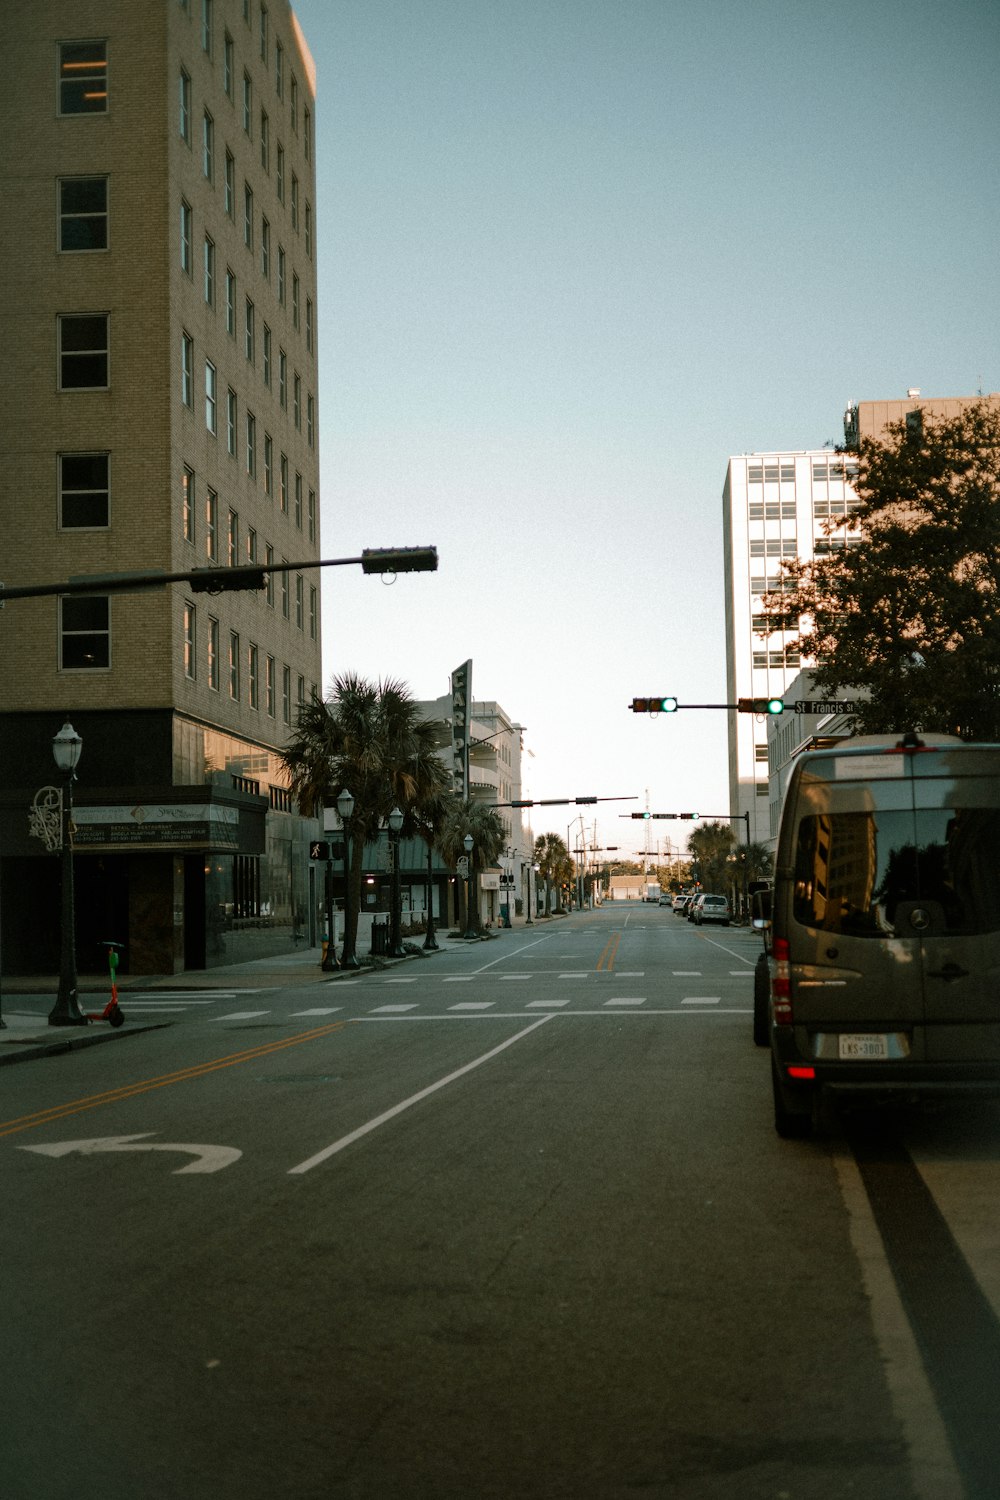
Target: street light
{"points": [[471, 922], [396, 949], [345, 807], [66, 747], [430, 941], [530, 902]]}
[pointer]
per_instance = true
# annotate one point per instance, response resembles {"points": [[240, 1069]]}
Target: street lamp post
{"points": [[530, 901], [396, 949], [471, 921], [345, 807], [66, 747], [430, 941]]}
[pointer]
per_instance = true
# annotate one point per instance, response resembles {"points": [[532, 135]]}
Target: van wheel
{"points": [[790, 1125]]}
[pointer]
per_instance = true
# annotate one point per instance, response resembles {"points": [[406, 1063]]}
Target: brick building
{"points": [[159, 412]]}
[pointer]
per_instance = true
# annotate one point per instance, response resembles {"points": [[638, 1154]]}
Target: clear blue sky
{"points": [[574, 254]]}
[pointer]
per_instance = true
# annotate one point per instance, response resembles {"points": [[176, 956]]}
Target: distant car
{"points": [[679, 903], [666, 901], [711, 909], [689, 905]]}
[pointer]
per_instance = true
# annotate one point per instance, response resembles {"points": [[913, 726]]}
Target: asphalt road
{"points": [[508, 1221]]}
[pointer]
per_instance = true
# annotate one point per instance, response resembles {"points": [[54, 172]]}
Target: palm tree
{"points": [[711, 846], [554, 863], [488, 836], [369, 739]]}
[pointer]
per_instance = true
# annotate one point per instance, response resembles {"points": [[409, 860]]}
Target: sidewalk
{"points": [[26, 1036]]}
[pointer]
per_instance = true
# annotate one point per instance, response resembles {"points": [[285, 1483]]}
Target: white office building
{"points": [[775, 506]]}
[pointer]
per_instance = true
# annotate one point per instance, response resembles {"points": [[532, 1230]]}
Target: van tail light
{"points": [[781, 983]]}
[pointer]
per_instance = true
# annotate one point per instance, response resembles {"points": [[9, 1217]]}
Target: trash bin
{"points": [[380, 938]]}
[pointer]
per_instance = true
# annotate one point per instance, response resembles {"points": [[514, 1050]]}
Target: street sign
{"points": [[838, 706]]}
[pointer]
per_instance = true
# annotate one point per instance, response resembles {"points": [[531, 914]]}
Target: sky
{"points": [[573, 254]]}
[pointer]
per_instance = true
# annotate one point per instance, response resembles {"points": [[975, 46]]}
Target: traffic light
{"points": [[641, 815], [760, 705], [689, 817], [654, 705]]}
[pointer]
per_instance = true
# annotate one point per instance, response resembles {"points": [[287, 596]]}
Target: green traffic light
{"points": [[775, 706]]}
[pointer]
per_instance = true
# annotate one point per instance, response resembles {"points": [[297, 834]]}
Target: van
{"points": [[884, 941]]}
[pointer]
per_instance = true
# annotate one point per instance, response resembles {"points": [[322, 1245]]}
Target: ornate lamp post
{"points": [[471, 921], [66, 747], [396, 949], [345, 807], [528, 897]]}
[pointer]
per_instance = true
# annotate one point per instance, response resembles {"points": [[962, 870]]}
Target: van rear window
{"points": [[853, 869]]}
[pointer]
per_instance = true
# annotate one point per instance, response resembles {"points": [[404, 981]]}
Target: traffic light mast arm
{"points": [[380, 560], [560, 802]]}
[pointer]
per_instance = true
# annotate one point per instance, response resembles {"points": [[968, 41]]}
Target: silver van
{"points": [[884, 941]]}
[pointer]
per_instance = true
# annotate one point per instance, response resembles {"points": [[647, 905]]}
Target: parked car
{"points": [[884, 944], [665, 900], [679, 903], [711, 909], [690, 904]]}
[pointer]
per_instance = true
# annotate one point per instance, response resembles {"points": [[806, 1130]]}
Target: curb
{"points": [[34, 1047]]}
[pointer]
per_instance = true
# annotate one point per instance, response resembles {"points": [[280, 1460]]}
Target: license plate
{"points": [[863, 1046]]}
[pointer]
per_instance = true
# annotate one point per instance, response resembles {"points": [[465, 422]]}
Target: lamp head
{"points": [[468, 841], [395, 820], [345, 804], [66, 747]]}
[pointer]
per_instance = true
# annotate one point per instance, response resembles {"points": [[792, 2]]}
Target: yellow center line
{"points": [[607, 958], [146, 1085]]}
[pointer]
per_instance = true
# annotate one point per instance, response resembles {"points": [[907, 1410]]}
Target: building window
{"points": [[307, 133], [283, 379], [286, 694], [207, 8], [229, 195], [83, 213], [187, 503], [253, 676], [248, 215], [83, 78], [311, 513], [213, 653], [313, 611], [84, 491], [265, 141], [297, 401], [208, 146], [227, 65], [280, 173], [190, 659], [230, 301], [251, 424], [309, 229], [247, 105], [84, 632], [300, 696], [233, 540], [285, 592], [295, 300], [251, 545], [212, 526], [263, 33], [295, 202], [83, 351], [234, 666], [298, 500], [300, 601], [266, 363], [186, 230], [268, 465], [209, 271], [281, 274], [293, 92], [184, 105], [249, 331], [231, 407], [187, 370], [265, 249], [211, 415], [269, 686], [283, 484], [309, 326], [279, 70], [269, 575], [311, 420]]}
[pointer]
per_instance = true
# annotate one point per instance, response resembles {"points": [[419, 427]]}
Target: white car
{"points": [[711, 909]]}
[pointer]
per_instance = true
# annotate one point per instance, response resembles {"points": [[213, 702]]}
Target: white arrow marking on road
{"points": [[210, 1158]]}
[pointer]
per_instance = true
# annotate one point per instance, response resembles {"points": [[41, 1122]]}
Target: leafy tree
{"points": [[554, 863], [911, 616], [711, 846], [489, 837], [371, 740]]}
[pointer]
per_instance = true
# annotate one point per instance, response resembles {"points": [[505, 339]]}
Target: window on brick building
{"points": [[83, 213], [213, 653], [84, 632], [83, 78], [83, 351], [189, 631], [84, 490]]}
